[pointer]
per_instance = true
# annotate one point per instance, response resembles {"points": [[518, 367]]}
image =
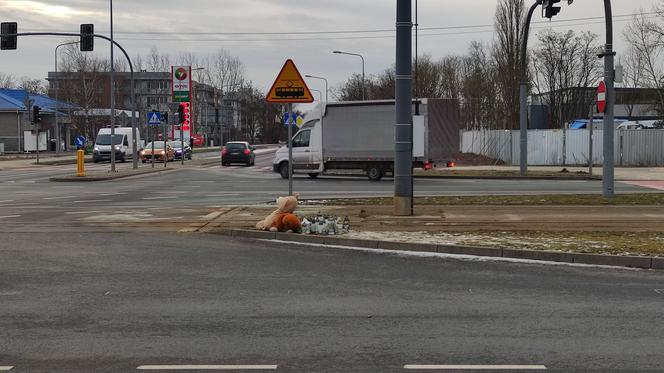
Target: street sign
{"points": [[181, 83], [601, 97], [154, 118], [80, 141], [289, 87]]}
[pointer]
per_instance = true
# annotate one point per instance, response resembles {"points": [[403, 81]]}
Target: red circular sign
{"points": [[601, 97]]}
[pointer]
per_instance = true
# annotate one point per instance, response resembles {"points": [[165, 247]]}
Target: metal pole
{"points": [[523, 93], [112, 96], [152, 131], [364, 82], [221, 129], [164, 134], [403, 157], [182, 143], [590, 141], [134, 118], [608, 170], [290, 153]]}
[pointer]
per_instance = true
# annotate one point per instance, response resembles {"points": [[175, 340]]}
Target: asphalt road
{"points": [[109, 302], [27, 195]]}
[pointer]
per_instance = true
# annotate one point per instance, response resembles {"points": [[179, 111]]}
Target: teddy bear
{"points": [[282, 219]]}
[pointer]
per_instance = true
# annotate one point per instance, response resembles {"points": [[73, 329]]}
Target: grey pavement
{"points": [[28, 196], [110, 302]]}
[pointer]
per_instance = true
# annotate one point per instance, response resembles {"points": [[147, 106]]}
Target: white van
{"points": [[122, 142]]}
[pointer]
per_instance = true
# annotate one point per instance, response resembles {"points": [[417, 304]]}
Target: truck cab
{"points": [[307, 152]]}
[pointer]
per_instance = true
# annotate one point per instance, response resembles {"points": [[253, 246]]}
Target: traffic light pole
{"points": [[134, 125], [523, 92], [609, 130]]}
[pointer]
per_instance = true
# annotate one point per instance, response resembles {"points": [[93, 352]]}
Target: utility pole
{"points": [[112, 96], [609, 73], [523, 93], [403, 157]]}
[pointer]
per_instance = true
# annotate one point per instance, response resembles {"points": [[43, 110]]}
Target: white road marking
{"points": [[207, 367], [224, 195], [112, 194], [163, 197], [6, 368], [92, 200], [213, 215], [66, 197], [7, 201], [20, 205], [10, 216], [475, 367]]}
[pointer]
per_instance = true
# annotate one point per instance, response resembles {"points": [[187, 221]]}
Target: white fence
{"points": [[570, 147]]}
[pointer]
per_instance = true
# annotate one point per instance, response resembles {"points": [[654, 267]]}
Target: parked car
{"points": [[179, 150], [238, 152], [159, 153]]}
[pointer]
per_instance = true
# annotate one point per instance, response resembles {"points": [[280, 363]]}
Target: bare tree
{"points": [[478, 89], [37, 86], [509, 25], [158, 62], [646, 40], [225, 71], [7, 81], [565, 65]]}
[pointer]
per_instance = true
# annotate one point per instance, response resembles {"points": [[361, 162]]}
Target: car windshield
{"points": [[235, 146], [157, 145], [106, 139], [175, 144]]}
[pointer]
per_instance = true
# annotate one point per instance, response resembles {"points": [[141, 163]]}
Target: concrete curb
{"points": [[644, 262], [68, 179]]}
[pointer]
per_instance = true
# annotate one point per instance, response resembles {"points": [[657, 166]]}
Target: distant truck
{"points": [[122, 143], [361, 136]]}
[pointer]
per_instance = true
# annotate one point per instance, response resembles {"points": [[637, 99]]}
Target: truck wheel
{"points": [[283, 170], [313, 175], [375, 173]]}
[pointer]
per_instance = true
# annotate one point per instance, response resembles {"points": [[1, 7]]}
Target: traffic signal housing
{"points": [[549, 9], [8, 42], [87, 43], [36, 114]]}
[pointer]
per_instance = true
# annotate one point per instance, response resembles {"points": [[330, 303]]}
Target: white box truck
{"points": [[122, 142], [356, 136]]}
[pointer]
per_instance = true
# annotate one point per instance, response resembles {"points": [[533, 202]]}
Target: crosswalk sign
{"points": [[154, 118], [289, 87]]}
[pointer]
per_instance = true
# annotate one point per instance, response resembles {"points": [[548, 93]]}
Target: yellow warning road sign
{"points": [[289, 87]]}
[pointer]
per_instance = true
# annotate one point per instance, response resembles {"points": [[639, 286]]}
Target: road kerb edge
{"points": [[549, 256], [644, 262], [615, 260]]}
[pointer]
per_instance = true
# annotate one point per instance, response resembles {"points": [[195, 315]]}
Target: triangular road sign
{"points": [[289, 87]]}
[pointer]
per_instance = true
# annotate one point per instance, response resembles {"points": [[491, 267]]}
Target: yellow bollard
{"points": [[80, 163]]}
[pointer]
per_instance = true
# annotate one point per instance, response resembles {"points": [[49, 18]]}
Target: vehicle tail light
{"points": [[247, 152], [224, 151]]}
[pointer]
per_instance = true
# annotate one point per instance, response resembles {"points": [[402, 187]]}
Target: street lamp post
{"points": [[364, 91], [57, 88], [326, 84]]}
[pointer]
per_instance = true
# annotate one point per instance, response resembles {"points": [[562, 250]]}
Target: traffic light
{"points": [[549, 9], [180, 114], [36, 115], [8, 42], [87, 43]]}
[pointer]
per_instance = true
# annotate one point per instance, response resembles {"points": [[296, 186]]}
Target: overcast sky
{"points": [[172, 23]]}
